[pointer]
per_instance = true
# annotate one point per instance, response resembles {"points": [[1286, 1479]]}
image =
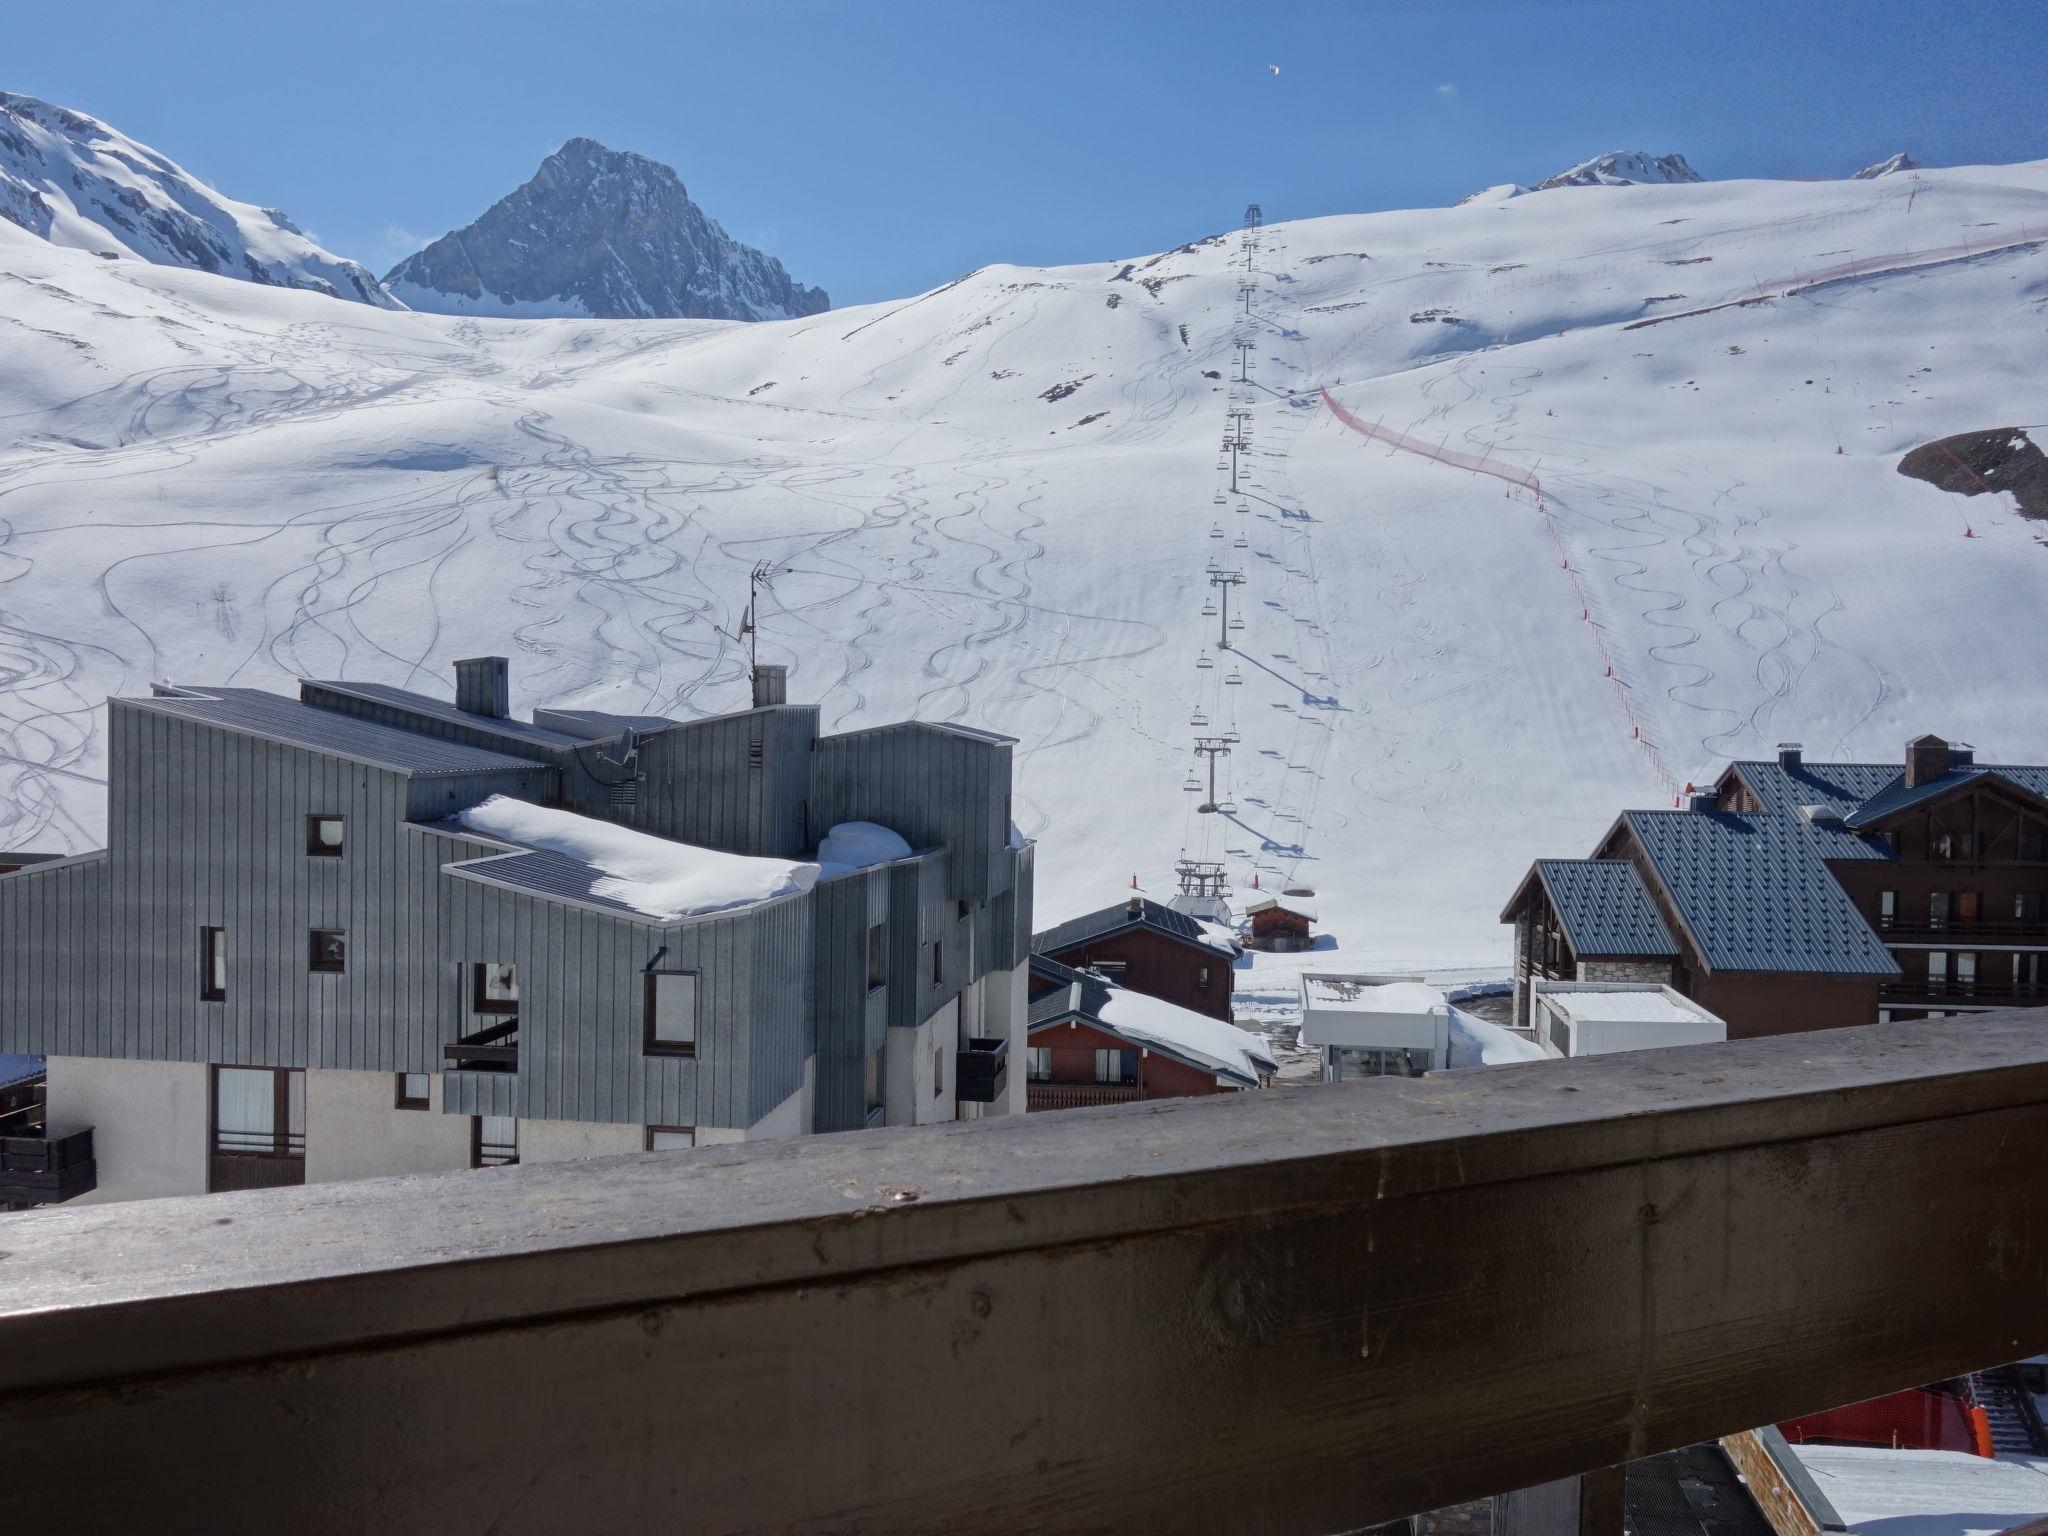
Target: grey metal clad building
{"points": [[294, 959]]}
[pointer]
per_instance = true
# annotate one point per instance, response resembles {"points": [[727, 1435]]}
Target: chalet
{"points": [[1796, 895], [1094, 1042], [1281, 923], [1148, 948]]}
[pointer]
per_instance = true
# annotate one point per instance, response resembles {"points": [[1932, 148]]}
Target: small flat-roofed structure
{"points": [[1375, 1025], [1594, 1018]]}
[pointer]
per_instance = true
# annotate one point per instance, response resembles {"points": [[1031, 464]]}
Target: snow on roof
{"points": [[1300, 906], [1633, 1005], [1476, 1043], [1215, 934], [1233, 1052], [654, 876], [1925, 1493], [1357, 994], [859, 845]]}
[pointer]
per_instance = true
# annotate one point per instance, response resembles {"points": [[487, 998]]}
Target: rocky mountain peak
{"points": [[1623, 168], [600, 232]]}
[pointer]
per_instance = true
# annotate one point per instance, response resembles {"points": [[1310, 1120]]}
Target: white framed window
{"points": [[670, 1138], [325, 836], [1112, 1066], [1038, 1064]]}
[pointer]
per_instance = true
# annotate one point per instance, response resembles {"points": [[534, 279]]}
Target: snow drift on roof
{"points": [[1476, 1043], [1234, 1052], [1646, 1005], [858, 845], [1925, 1493], [652, 875], [1350, 994]]}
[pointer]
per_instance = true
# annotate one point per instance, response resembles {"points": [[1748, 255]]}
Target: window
{"points": [[324, 836], [1937, 910], [259, 1111], [2034, 845], [414, 1089], [966, 910], [670, 1138], [494, 988], [939, 1072], [938, 963], [1937, 970], [494, 1141], [327, 951], [878, 955], [2026, 906], [1113, 970], [1116, 1066], [213, 965], [671, 1008], [1038, 1064], [1887, 909], [872, 1087], [1966, 906], [1202, 977]]}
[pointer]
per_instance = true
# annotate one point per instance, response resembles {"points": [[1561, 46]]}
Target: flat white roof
{"points": [[1925, 1493], [1625, 1005], [1368, 994]]}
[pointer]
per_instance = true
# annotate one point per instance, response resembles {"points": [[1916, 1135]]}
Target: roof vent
{"points": [[483, 686], [1790, 755], [1821, 816], [1706, 800]]}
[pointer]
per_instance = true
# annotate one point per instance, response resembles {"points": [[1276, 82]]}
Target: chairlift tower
{"points": [[1212, 747], [1224, 581], [763, 572], [1202, 878], [1244, 345]]}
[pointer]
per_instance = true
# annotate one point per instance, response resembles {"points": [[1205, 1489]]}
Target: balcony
{"points": [[42, 1170], [982, 1072], [494, 1048], [1949, 989], [1379, 1297], [1961, 934], [1080, 1095]]}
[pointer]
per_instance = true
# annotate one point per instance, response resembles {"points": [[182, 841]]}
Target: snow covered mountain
{"points": [[605, 233], [76, 182], [1899, 162], [1545, 506], [1623, 168]]}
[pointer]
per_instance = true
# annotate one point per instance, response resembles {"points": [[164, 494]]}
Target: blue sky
{"points": [[879, 148]]}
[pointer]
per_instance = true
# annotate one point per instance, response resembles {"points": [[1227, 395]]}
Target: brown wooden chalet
{"points": [[1149, 948], [1799, 895]]}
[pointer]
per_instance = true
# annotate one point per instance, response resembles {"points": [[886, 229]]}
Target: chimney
{"points": [[1705, 800], [1789, 756], [1926, 760], [771, 686], [1136, 905], [483, 686]]}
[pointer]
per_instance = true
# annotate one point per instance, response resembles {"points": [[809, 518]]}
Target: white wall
{"points": [[355, 1130], [148, 1120], [907, 1094], [1008, 1013], [561, 1141]]}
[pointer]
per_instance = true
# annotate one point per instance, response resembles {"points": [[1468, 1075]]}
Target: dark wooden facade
{"points": [[1190, 973], [1276, 928]]}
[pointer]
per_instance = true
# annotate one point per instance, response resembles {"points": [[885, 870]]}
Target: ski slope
{"points": [[996, 503]]}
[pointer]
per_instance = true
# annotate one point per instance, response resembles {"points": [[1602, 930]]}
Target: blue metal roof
{"points": [[522, 731], [1896, 797], [1605, 908], [1841, 787], [297, 724], [1755, 894], [1099, 925]]}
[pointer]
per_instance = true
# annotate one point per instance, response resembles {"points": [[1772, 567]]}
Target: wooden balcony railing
{"points": [[1080, 1095], [1950, 989], [1963, 934], [1309, 1309]]}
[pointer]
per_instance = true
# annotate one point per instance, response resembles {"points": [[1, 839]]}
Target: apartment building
{"points": [[367, 931], [1796, 895]]}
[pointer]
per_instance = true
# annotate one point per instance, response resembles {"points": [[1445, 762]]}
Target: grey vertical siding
{"points": [[935, 786], [54, 953], [845, 909]]}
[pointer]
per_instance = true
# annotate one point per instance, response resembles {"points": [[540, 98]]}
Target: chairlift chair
{"points": [[1237, 623], [1203, 663], [1215, 530], [1234, 678], [1209, 610], [1241, 542], [1198, 719], [1193, 785]]}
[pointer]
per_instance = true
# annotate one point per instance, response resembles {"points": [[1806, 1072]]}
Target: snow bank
{"points": [[1223, 1047], [859, 845], [1340, 992], [650, 874], [1476, 1043]]}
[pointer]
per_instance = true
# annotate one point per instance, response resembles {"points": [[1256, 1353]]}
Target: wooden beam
{"points": [[1304, 1309]]}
